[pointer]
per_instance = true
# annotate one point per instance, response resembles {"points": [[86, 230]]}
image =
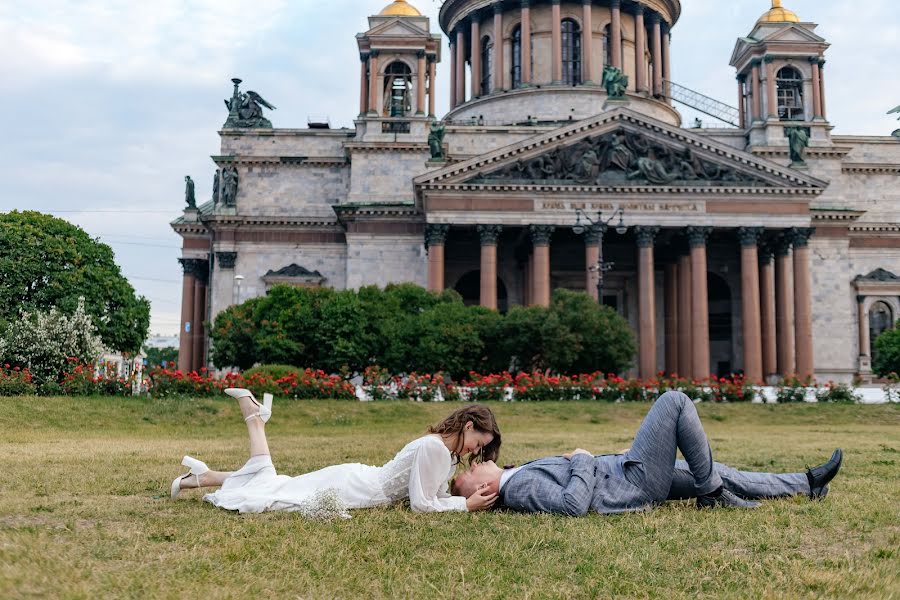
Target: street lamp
{"points": [[238, 279], [599, 226]]}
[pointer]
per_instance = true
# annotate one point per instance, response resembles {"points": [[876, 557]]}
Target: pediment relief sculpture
{"points": [[620, 158]]}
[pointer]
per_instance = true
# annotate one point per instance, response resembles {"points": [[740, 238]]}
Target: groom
{"points": [[647, 473]]}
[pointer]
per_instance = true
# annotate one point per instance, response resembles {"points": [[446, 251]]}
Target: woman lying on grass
{"points": [[421, 471]]}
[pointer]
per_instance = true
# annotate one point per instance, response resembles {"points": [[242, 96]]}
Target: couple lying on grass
{"points": [[573, 484]]}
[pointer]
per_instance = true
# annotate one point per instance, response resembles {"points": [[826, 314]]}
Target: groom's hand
{"points": [[482, 499], [569, 455]]}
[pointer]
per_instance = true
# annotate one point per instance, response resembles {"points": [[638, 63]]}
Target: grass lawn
{"points": [[85, 513]]}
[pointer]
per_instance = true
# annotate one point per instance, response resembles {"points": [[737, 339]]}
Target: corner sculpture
{"points": [[893, 111], [245, 110], [436, 141], [798, 140], [215, 189], [230, 182], [189, 197], [615, 82]]}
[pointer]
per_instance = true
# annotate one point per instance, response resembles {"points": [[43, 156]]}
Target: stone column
{"points": [[615, 32], [771, 89], [432, 85], [460, 66], [640, 64], [685, 308], [363, 83], [666, 64], [453, 101], [373, 82], [498, 47], [420, 83], [489, 235], [865, 350], [671, 311], [556, 42], [742, 107], [587, 41], [657, 55], [784, 307], [199, 336], [816, 88], [697, 237], [822, 88], [646, 236], [757, 97], [475, 60], [526, 42], [803, 302], [540, 237], [528, 282], [435, 241], [767, 312], [592, 240], [750, 309], [185, 337]]}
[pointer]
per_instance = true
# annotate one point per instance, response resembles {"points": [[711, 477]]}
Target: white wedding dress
{"points": [[421, 472]]}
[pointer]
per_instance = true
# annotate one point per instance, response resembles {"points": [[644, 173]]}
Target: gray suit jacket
{"points": [[573, 487]]}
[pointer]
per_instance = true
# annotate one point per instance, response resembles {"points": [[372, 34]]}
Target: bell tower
{"points": [[398, 59], [781, 84]]}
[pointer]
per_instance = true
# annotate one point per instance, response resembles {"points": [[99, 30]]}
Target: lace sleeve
{"points": [[428, 480]]}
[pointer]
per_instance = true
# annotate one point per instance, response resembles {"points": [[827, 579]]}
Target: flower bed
{"points": [[307, 384], [15, 381]]}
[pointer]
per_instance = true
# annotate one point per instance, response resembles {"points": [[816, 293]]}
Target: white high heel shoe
{"points": [[197, 468], [265, 409]]}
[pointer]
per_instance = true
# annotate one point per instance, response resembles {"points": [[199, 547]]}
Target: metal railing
{"points": [[703, 103]]}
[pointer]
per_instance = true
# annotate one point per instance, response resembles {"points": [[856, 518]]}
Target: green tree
{"points": [[234, 334], [605, 341], [157, 356], [534, 339], [887, 352], [47, 262]]}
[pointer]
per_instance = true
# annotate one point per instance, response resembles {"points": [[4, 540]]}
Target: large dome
{"points": [[400, 8]]}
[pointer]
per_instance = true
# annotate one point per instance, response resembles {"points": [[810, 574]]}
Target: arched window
{"points": [[571, 52], [516, 67], [487, 65], [398, 86], [790, 94], [881, 318]]}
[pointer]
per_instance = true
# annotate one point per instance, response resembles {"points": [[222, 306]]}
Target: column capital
{"points": [[768, 58], [697, 236], [654, 18], [765, 254], [799, 236], [498, 8], [363, 56], [593, 235], [813, 60], [821, 62], [374, 53], [615, 4], [742, 77], [489, 234], [226, 260], [195, 267], [755, 62], [420, 54], [646, 236], [525, 3], [782, 245], [860, 299], [587, 2], [639, 9], [554, 1], [541, 234], [749, 236], [436, 235]]}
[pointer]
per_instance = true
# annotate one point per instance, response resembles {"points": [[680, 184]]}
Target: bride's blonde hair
{"points": [[482, 419]]}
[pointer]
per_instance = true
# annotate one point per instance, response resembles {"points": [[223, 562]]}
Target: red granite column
{"points": [[742, 109], [420, 83], [498, 48], [685, 308], [592, 262], [750, 311], [199, 334], [587, 40], [556, 42], [526, 42], [435, 241], [822, 88], [671, 324], [771, 89], [863, 317], [540, 237], [816, 88], [453, 101], [666, 64], [363, 83], [615, 32], [803, 303], [757, 93], [767, 312], [697, 236], [784, 307], [432, 86], [489, 235], [373, 82], [185, 338], [646, 237], [475, 58], [640, 58], [460, 66], [528, 283], [657, 55]]}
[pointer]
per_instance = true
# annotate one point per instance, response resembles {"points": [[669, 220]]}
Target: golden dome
{"points": [[779, 14], [399, 8]]}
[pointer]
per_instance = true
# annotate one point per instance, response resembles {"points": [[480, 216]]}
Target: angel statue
{"points": [[245, 109], [615, 82], [436, 141], [893, 111]]}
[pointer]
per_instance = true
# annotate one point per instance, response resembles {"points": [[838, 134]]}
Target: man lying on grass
{"points": [[647, 473]]}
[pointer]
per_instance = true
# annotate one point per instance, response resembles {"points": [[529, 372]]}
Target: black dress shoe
{"points": [[725, 500], [820, 476]]}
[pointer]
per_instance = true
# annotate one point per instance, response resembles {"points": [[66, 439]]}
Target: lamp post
{"points": [[598, 227], [238, 279]]}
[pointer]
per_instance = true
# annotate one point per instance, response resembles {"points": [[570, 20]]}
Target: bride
{"points": [[420, 471]]}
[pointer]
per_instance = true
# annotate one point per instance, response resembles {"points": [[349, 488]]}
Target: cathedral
{"points": [[766, 246]]}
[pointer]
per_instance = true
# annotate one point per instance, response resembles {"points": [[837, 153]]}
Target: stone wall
{"points": [[292, 190], [385, 176], [319, 143], [380, 260]]}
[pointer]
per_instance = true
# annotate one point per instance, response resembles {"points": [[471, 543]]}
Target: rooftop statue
{"points": [[189, 197], [245, 109], [229, 186], [895, 110], [615, 82], [436, 141], [798, 140]]}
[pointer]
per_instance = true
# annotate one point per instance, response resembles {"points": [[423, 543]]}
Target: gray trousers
{"points": [[673, 424]]}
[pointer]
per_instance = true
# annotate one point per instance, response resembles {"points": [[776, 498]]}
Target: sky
{"points": [[109, 104]]}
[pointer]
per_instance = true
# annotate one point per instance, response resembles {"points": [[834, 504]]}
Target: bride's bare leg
{"points": [[208, 479], [259, 446]]}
